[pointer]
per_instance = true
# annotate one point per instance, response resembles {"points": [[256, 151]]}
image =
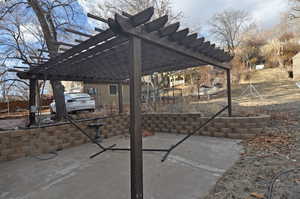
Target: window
{"points": [[113, 89], [92, 91]]}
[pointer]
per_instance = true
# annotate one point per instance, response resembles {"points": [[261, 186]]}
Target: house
{"points": [[106, 95], [176, 80], [296, 67], [72, 86]]}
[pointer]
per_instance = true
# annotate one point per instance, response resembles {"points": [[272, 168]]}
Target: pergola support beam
{"points": [[229, 92], [97, 18], [136, 145], [120, 98], [32, 101], [78, 32]]}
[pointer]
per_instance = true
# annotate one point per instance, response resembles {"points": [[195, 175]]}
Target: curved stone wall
{"points": [[229, 127]]}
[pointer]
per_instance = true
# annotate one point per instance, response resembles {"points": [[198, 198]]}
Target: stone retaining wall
{"points": [[233, 127], [29, 142]]}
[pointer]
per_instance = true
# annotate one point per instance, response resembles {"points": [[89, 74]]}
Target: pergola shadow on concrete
{"points": [[133, 46]]}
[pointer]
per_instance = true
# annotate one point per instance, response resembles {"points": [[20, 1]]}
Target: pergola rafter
{"points": [[133, 46], [165, 42]]}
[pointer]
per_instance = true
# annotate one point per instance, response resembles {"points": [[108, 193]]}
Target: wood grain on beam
{"points": [[64, 44], [126, 14], [97, 18], [203, 46], [78, 32], [156, 24], [78, 40], [99, 29], [180, 35], [189, 39], [142, 17], [169, 29], [197, 42]]}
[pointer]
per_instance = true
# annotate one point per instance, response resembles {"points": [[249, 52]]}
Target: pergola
{"points": [[133, 46]]}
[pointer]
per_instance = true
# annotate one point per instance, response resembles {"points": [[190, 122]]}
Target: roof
{"points": [[104, 57]]}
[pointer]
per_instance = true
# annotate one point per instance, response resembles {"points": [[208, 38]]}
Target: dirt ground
{"points": [[270, 166], [264, 158]]}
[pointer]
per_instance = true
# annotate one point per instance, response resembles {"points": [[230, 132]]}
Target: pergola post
{"points": [[120, 97], [136, 155], [229, 92], [32, 101]]}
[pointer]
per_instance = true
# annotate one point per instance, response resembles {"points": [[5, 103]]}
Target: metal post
{"points": [[32, 101], [229, 92], [120, 95], [174, 95], [136, 155]]}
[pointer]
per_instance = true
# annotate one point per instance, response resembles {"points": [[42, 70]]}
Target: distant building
{"points": [[259, 67], [176, 80], [72, 86], [296, 67], [106, 95]]}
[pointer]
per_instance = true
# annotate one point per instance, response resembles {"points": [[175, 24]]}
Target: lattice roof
{"points": [[104, 57]]}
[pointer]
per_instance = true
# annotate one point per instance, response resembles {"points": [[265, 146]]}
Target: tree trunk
{"points": [[47, 24], [58, 92]]}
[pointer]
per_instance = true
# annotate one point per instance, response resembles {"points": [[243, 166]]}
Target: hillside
{"points": [[265, 75]]}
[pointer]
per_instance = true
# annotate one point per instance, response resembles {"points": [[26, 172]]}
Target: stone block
{"points": [[234, 135], [15, 156], [250, 125], [183, 131], [206, 133], [233, 124], [255, 131], [219, 134], [211, 129], [5, 140], [247, 136], [3, 158], [226, 130], [66, 145], [240, 130], [219, 124], [7, 151]]}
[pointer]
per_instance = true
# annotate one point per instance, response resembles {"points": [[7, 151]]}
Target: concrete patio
{"points": [[190, 171]]}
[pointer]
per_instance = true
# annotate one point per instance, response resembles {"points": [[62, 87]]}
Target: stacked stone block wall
{"points": [[31, 142], [234, 127]]}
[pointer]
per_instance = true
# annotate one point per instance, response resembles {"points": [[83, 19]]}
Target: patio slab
{"points": [[190, 171]]}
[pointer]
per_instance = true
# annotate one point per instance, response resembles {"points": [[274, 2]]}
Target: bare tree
{"points": [[49, 16], [162, 7], [227, 27], [295, 9]]}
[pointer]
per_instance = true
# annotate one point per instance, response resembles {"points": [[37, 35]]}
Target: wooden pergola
{"points": [[133, 46]]}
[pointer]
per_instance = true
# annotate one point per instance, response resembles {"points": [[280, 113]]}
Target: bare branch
{"points": [[228, 26]]}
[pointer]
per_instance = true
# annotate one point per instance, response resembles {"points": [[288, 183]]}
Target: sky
{"points": [[196, 13], [266, 13]]}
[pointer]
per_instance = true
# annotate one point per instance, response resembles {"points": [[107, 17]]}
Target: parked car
{"points": [[76, 102]]}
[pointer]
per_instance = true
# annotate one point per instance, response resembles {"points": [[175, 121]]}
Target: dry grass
{"points": [[266, 75]]}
